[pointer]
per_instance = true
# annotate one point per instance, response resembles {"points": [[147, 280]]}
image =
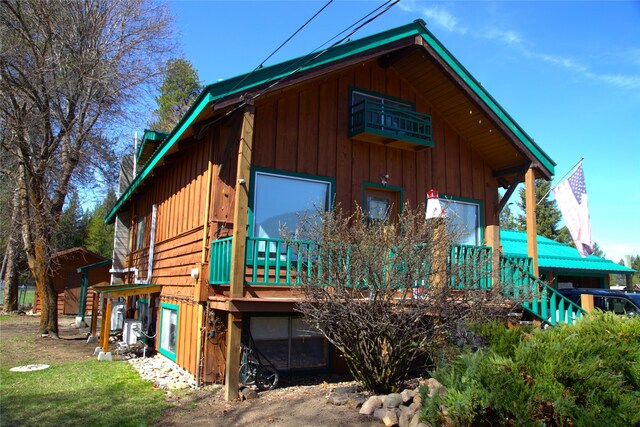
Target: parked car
{"points": [[620, 302]]}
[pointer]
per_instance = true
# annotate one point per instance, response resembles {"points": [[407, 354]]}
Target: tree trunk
{"points": [[42, 273], [12, 259]]}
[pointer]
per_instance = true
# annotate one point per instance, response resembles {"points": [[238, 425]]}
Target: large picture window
{"points": [[169, 330], [139, 233], [463, 219], [280, 201]]}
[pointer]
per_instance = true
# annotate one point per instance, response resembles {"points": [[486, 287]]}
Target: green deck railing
{"points": [[276, 262], [376, 117], [538, 298], [470, 267]]}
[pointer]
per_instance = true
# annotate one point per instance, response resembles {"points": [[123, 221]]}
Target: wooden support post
{"points": [[105, 329], [232, 369], [201, 290], [492, 237], [241, 208], [240, 222], [532, 227], [586, 302], [94, 314]]}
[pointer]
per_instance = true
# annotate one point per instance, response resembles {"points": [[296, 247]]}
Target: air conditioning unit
{"points": [[117, 315], [131, 331]]}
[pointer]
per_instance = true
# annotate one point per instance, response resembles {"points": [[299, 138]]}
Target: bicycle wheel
{"points": [[266, 378], [248, 373]]}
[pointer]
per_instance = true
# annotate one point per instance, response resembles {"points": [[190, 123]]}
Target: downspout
{"points": [[198, 291]]}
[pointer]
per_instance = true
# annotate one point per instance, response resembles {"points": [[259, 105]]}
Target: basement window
{"points": [[169, 330]]}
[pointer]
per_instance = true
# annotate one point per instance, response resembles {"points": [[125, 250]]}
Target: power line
{"points": [[389, 4], [282, 45]]}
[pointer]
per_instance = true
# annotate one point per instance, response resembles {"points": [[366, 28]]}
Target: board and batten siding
{"points": [[305, 129]]}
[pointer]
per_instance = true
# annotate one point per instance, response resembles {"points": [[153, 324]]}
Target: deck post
{"points": [[240, 224], [232, 369], [94, 314], [105, 329], [492, 237], [532, 227]]}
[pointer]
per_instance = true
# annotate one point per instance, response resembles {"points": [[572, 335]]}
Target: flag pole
{"points": [[561, 179]]}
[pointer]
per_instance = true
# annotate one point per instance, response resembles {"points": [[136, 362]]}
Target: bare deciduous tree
{"points": [[390, 296], [68, 70]]}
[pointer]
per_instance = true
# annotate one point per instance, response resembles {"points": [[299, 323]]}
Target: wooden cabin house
{"points": [[375, 122], [68, 280]]}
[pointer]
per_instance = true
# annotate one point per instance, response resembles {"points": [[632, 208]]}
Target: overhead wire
{"points": [[282, 45], [359, 24]]}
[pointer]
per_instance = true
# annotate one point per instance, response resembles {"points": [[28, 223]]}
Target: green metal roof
{"points": [[243, 83], [557, 256], [150, 136]]}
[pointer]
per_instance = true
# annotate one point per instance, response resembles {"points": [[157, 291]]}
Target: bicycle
{"points": [[255, 373]]}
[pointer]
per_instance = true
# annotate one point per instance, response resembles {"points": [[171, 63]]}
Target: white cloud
{"points": [[436, 15], [507, 37], [440, 16]]}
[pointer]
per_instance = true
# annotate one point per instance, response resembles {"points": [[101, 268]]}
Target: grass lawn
{"points": [[72, 393]]}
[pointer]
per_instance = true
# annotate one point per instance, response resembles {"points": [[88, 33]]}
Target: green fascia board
{"points": [[94, 265], [150, 135], [554, 255], [497, 109], [245, 82]]}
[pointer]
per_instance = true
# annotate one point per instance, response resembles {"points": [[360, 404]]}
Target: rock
{"points": [[392, 400], [390, 418], [435, 387], [379, 413], [350, 389], [407, 395], [417, 399], [404, 419], [415, 420], [92, 339], [406, 410], [338, 399], [373, 403], [248, 394], [356, 401]]}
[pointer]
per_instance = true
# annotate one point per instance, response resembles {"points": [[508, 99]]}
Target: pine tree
{"points": [[180, 87], [548, 215], [100, 235], [72, 226]]}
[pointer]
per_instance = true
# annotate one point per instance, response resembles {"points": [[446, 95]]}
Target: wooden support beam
{"points": [[201, 291], [492, 238], [232, 369], [532, 227], [510, 190], [240, 223], [94, 314], [241, 208], [105, 329]]}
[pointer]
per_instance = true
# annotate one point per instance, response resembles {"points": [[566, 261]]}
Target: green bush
{"points": [[587, 374]]}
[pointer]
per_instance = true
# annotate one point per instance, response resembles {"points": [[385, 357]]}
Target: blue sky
{"points": [[567, 72]]}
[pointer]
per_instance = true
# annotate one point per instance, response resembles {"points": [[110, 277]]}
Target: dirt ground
{"points": [[288, 406]]}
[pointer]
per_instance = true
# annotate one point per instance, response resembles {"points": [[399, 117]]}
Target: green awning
{"points": [[127, 289]]}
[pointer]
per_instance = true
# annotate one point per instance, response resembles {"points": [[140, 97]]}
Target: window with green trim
{"points": [[281, 200], [463, 219], [169, 330]]}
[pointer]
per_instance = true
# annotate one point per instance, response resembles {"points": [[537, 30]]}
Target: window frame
{"points": [[171, 307], [139, 236], [290, 339], [480, 217], [256, 171]]}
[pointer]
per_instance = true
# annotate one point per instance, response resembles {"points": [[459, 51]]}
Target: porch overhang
{"points": [[127, 290]]}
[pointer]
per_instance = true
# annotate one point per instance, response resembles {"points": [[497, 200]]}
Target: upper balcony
{"points": [[389, 122]]}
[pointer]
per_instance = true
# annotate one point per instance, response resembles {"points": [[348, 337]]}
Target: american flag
{"points": [[571, 195]]}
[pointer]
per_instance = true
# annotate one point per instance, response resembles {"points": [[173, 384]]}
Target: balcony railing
{"points": [[374, 121]]}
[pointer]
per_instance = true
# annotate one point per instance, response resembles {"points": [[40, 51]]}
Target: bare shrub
{"points": [[390, 295]]}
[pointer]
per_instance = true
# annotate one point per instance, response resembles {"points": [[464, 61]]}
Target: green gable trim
{"points": [[244, 83], [203, 100], [150, 135], [490, 102]]}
